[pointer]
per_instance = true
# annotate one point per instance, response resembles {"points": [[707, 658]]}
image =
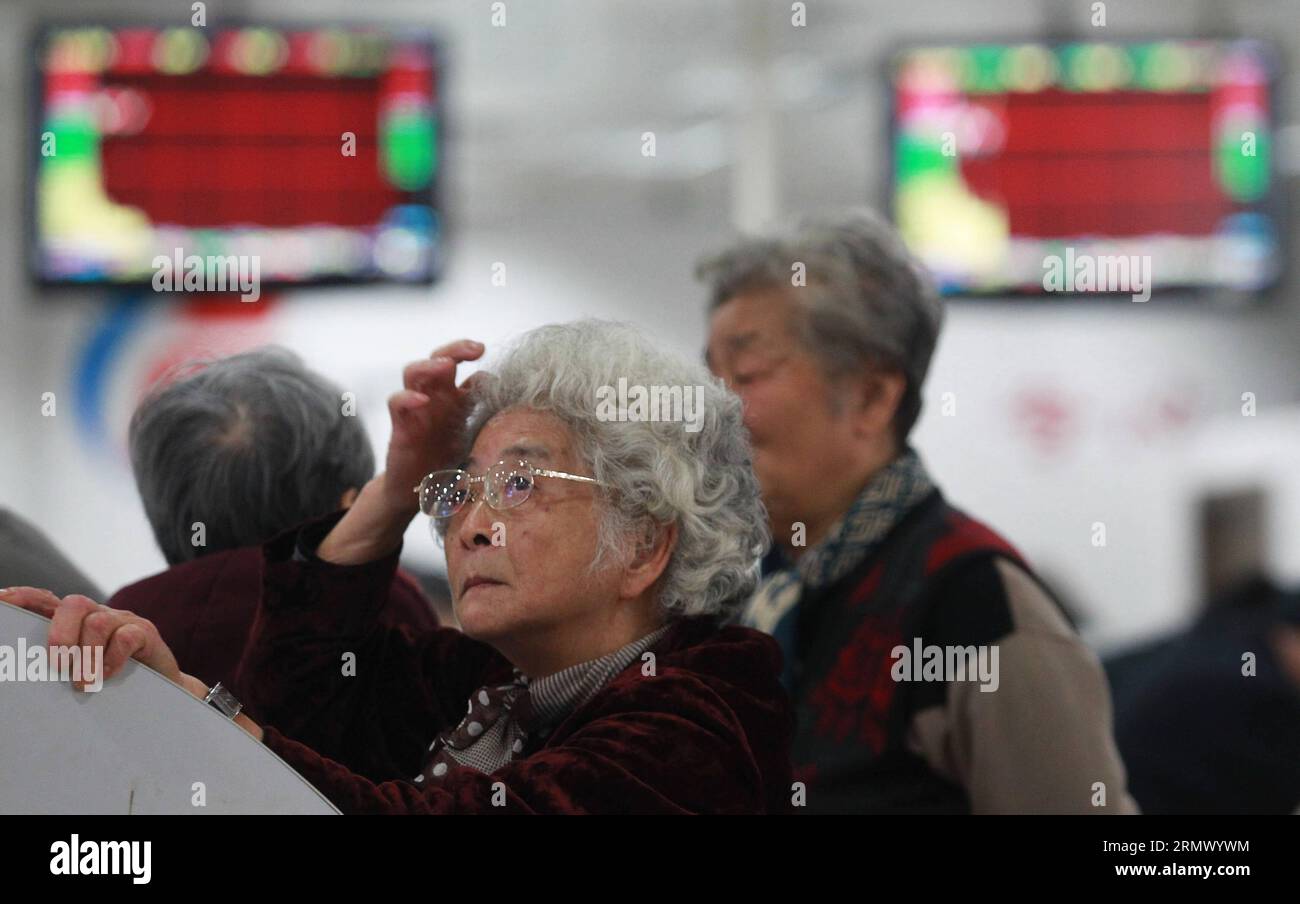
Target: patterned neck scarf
{"points": [[501, 720], [889, 495]]}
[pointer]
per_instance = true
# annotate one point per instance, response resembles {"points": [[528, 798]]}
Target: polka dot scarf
{"points": [[504, 721]]}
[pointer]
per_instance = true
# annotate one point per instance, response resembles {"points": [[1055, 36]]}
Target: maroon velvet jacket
{"points": [[204, 609], [708, 733]]}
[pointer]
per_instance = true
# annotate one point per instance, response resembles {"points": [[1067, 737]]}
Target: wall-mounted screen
{"points": [[316, 151], [1028, 168]]}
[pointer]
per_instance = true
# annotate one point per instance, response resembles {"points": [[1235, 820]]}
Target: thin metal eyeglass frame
{"points": [[482, 478]]}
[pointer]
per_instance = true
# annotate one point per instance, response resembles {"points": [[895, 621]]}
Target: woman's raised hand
{"points": [[428, 415]]}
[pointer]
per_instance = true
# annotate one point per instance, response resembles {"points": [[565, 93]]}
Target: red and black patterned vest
{"points": [[852, 716]]}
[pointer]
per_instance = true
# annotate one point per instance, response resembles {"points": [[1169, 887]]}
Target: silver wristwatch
{"points": [[224, 701]]}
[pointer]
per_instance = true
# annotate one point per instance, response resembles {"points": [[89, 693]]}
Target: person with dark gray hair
{"points": [[227, 455], [241, 449], [930, 669]]}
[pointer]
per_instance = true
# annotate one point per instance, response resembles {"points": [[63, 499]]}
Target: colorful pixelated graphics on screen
{"points": [[1006, 155], [314, 150]]}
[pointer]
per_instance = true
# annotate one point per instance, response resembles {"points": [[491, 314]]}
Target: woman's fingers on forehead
{"points": [[437, 376], [460, 350], [473, 380], [420, 373], [406, 401]]}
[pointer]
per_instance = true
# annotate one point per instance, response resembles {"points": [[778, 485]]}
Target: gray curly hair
{"points": [[655, 472]]}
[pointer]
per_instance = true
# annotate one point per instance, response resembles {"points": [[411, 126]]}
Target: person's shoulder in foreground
{"points": [[28, 558], [699, 724]]}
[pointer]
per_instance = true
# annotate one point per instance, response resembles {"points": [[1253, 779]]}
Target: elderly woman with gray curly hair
{"points": [[594, 562]]}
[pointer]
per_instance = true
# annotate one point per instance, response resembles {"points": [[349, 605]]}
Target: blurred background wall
{"points": [[1068, 412]]}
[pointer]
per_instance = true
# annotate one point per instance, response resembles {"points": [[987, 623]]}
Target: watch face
{"points": [[225, 702]]}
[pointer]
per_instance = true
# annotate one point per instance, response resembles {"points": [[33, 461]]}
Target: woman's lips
{"points": [[480, 582]]}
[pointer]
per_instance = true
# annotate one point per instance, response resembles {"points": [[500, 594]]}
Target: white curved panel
{"points": [[138, 745]]}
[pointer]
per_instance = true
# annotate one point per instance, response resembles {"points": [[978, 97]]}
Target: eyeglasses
{"points": [[444, 493]]}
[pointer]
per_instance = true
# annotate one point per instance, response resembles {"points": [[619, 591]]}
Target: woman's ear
{"points": [[880, 394], [349, 497], [649, 560]]}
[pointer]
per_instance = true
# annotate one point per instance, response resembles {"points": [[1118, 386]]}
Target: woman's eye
{"points": [[757, 371], [519, 482]]}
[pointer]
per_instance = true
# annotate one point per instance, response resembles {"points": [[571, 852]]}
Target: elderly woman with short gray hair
{"points": [[593, 562], [826, 331]]}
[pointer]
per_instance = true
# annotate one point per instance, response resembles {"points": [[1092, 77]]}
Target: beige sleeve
{"points": [[1043, 739]]}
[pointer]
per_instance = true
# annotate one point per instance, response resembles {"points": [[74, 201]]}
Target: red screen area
{"points": [[221, 150], [311, 154], [1120, 164], [1015, 162]]}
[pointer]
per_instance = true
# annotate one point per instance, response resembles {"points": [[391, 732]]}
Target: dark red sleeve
{"points": [[408, 605], [322, 667], [665, 745]]}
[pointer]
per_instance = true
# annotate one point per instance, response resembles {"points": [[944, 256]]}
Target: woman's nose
{"points": [[475, 528]]}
